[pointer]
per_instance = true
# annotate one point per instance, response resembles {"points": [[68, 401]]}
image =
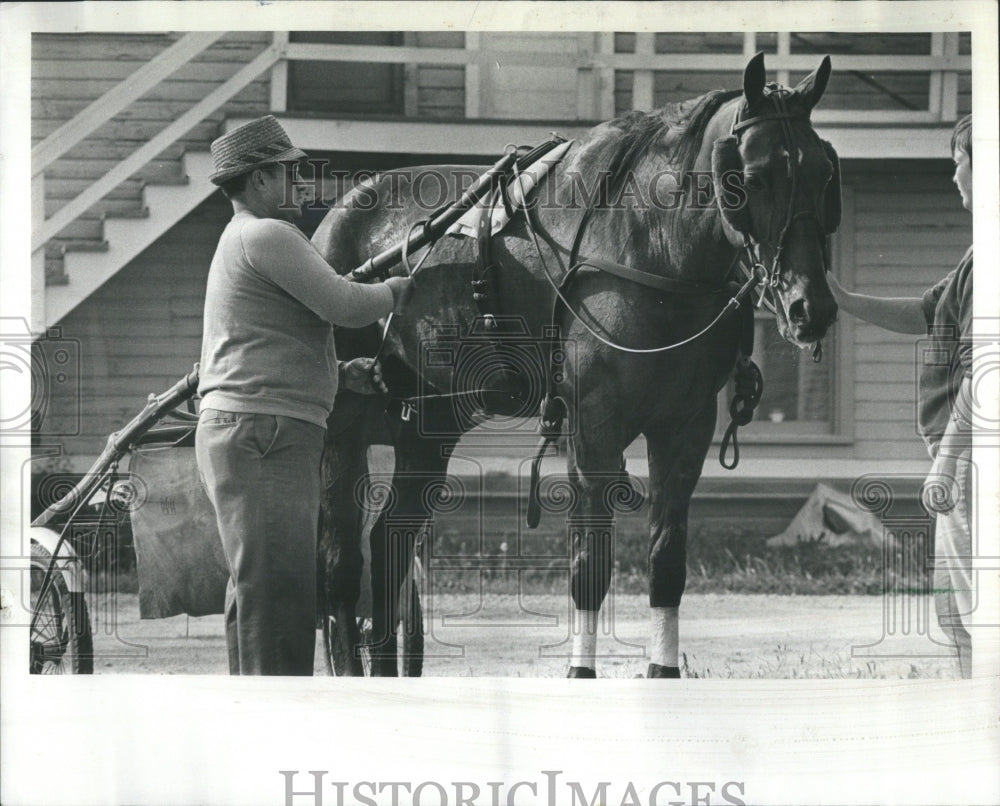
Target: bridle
{"points": [[773, 275]]}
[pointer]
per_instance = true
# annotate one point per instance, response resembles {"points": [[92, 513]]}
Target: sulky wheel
{"points": [[411, 635], [61, 640]]}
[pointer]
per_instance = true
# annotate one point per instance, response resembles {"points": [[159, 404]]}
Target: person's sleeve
{"points": [[965, 343], [281, 253], [931, 296]]}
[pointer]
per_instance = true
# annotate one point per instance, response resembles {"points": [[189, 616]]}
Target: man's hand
{"points": [[364, 376]]}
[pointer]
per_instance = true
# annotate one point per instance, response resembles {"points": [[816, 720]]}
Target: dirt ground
{"points": [[722, 636]]}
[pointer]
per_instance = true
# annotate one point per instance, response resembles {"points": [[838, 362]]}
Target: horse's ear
{"points": [[727, 178], [811, 88], [754, 77], [831, 196]]}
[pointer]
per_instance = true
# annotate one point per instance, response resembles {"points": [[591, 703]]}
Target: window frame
{"points": [[842, 404]]}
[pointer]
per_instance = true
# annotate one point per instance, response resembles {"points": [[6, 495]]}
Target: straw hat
{"points": [[253, 144]]}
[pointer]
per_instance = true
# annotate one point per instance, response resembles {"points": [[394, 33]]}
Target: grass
{"points": [[720, 559]]}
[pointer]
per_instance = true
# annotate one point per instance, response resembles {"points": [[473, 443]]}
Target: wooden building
{"points": [[121, 125]]}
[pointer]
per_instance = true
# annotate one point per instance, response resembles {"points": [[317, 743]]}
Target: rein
{"points": [[665, 284]]}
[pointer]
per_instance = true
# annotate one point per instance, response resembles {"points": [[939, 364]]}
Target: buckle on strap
{"points": [[406, 410]]}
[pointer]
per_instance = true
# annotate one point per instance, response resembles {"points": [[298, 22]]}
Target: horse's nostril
{"points": [[798, 312]]}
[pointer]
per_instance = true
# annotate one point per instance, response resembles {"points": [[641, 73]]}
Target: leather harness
{"points": [[748, 380]]}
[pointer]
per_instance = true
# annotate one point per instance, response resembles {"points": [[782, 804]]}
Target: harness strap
{"points": [[484, 273], [669, 285], [739, 125]]}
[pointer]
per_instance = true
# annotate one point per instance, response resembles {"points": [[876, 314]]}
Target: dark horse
{"points": [[771, 185]]}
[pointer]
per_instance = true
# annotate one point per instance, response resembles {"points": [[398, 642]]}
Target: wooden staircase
{"points": [[95, 246], [121, 148]]}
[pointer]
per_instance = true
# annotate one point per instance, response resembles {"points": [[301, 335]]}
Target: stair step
{"points": [[68, 181], [122, 239], [128, 212], [83, 229], [62, 194], [117, 140], [122, 208], [94, 169], [83, 245]]}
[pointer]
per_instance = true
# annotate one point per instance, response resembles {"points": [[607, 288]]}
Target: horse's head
{"points": [[778, 185]]}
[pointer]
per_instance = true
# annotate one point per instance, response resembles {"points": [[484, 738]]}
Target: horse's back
{"points": [[378, 213]]}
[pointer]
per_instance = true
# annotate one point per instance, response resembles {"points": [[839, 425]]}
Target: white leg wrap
{"points": [[665, 636], [584, 638]]}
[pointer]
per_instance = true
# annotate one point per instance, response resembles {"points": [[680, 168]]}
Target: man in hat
{"points": [[269, 374]]}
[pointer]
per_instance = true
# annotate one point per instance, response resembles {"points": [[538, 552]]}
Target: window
{"points": [[801, 398], [345, 87]]}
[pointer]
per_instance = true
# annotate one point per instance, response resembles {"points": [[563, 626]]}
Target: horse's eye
{"points": [[754, 182]]}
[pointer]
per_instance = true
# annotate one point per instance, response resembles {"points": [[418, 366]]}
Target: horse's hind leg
{"points": [[676, 453], [421, 464], [340, 562], [594, 465]]}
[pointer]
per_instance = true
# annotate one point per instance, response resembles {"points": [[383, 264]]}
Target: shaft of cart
{"points": [[118, 444]]}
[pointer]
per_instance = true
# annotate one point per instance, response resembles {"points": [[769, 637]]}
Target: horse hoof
{"points": [[655, 670], [582, 672]]}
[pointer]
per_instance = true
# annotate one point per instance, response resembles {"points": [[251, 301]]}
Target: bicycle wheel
{"points": [[61, 640]]}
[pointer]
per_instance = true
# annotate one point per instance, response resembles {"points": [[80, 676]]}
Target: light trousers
{"points": [[954, 584]]}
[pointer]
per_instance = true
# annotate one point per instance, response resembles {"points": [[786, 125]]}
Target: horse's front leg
{"points": [[676, 452]]}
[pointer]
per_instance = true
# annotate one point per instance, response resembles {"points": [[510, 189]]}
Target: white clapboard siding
{"points": [[514, 92], [440, 89], [69, 72], [910, 230]]}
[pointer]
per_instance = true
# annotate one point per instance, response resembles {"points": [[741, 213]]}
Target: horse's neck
{"points": [[706, 224], [694, 236]]}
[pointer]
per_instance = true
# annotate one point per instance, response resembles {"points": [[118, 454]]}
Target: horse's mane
{"points": [[681, 125]]}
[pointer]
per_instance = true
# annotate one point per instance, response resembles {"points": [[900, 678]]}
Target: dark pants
{"points": [[262, 475]]}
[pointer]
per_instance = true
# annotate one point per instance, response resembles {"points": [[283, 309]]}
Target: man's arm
{"points": [[284, 255], [898, 314]]}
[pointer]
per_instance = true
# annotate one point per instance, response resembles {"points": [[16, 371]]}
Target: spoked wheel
{"points": [[411, 631], [61, 640]]}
